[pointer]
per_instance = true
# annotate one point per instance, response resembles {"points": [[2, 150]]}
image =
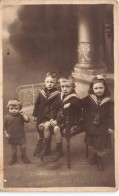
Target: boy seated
{"points": [[14, 129], [69, 103], [44, 110]]}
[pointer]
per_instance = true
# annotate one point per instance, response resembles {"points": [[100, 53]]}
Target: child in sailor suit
{"points": [[69, 102], [99, 119], [44, 110]]}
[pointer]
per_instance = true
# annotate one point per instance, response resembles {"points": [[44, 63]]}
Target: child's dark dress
{"points": [[14, 125], [98, 118]]}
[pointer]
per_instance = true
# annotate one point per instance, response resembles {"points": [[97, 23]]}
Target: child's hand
{"points": [[34, 119], [7, 135], [74, 129], [110, 131], [25, 117], [66, 105], [21, 112], [53, 123], [41, 126]]}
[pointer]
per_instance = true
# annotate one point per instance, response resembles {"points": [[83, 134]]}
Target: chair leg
{"points": [[86, 151]]}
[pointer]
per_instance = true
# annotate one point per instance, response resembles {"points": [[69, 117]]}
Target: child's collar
{"points": [[104, 99], [52, 93], [72, 94]]}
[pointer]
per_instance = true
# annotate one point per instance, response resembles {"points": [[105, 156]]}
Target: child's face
{"points": [[98, 89], [50, 83], [66, 87], [14, 110]]}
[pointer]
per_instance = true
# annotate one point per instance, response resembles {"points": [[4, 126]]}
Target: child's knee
{"points": [[56, 130], [47, 125]]}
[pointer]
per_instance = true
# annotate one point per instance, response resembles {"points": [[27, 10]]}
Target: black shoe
{"points": [[100, 163], [13, 160], [25, 159], [93, 159], [38, 148]]}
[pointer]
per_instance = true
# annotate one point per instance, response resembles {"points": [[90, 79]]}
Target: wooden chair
{"points": [[68, 135]]}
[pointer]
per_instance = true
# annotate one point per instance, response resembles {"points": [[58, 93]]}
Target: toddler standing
{"points": [[14, 129]]}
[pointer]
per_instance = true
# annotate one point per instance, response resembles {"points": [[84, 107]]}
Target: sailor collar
{"points": [[53, 94], [69, 96], [104, 100]]}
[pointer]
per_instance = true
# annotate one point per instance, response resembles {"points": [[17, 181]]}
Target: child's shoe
{"points": [[93, 159], [25, 159], [99, 163], [13, 160]]}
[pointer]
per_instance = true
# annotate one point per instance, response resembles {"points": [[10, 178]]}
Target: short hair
{"points": [[99, 79], [14, 102], [52, 74], [67, 79]]}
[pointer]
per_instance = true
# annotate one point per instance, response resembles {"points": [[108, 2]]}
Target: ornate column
{"points": [[90, 45], [109, 48]]}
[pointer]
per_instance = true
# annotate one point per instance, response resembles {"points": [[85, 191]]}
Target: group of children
{"points": [[50, 112]]}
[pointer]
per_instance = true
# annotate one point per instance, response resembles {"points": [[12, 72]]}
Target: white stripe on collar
{"points": [[94, 98], [106, 99], [51, 95], [43, 93], [69, 96], [55, 92]]}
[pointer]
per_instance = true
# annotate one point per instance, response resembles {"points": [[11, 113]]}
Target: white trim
{"points": [[94, 98], [106, 99], [69, 96], [43, 93], [53, 94]]}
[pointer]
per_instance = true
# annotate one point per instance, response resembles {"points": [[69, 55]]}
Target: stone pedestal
{"points": [[90, 49]]}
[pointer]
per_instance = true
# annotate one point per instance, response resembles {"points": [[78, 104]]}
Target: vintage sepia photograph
{"points": [[59, 126]]}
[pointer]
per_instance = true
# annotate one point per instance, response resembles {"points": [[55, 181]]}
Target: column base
{"points": [[90, 71], [83, 77], [88, 74]]}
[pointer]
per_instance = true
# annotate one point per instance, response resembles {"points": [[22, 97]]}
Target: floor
{"points": [[49, 174]]}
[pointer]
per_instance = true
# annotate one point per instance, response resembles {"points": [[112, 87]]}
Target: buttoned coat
{"points": [[44, 108], [105, 111], [74, 111]]}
